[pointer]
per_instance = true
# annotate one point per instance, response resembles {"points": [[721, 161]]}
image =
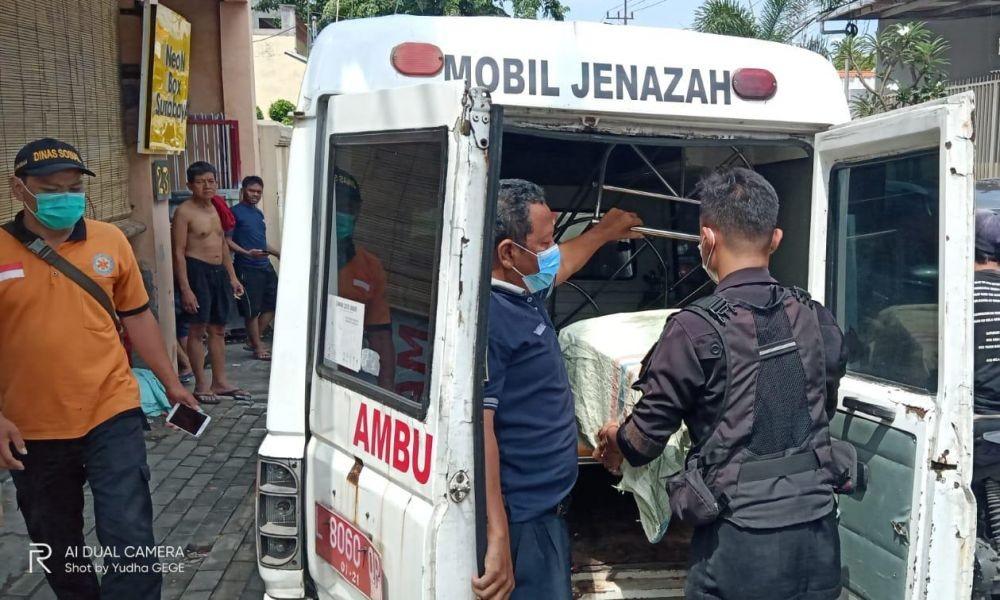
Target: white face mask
{"points": [[713, 275]]}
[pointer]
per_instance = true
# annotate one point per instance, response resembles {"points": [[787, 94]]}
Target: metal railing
{"points": [[987, 122], [214, 139]]}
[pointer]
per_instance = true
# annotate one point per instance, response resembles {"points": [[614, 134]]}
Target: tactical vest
{"points": [[768, 461]]}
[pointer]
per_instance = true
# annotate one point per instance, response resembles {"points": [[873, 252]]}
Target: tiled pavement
{"points": [[202, 502]]}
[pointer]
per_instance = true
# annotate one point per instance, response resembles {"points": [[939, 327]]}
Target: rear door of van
{"points": [[892, 257], [390, 510]]}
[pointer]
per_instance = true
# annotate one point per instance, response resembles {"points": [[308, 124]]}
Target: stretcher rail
{"points": [[633, 192], [666, 233]]}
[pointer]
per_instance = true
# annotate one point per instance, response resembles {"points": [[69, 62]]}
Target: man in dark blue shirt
{"points": [[248, 241], [529, 421]]}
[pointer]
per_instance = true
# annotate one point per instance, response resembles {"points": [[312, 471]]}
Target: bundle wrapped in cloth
{"points": [[603, 357]]}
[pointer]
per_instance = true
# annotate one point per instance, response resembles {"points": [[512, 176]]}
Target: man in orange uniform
{"points": [[69, 405], [361, 278]]}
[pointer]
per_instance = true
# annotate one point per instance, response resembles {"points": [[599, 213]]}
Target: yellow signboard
{"points": [[165, 76]]}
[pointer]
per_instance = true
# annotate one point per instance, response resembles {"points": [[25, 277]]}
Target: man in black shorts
{"points": [[248, 241], [206, 280]]}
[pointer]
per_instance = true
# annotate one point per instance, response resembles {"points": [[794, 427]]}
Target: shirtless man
{"points": [[203, 267]]}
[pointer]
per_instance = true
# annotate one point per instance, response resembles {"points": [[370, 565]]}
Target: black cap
{"points": [[47, 156], [987, 232]]}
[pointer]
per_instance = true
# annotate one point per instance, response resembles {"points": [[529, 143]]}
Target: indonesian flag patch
{"points": [[11, 271]]}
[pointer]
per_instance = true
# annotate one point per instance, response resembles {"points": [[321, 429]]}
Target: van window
{"points": [[384, 248], [883, 266]]}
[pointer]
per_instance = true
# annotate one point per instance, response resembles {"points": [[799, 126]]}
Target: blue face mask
{"points": [[345, 225], [548, 267], [59, 211]]}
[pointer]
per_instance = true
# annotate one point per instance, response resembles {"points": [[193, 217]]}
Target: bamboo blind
{"points": [[59, 78], [400, 215]]}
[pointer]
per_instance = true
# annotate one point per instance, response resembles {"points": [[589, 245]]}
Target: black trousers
{"points": [[112, 459], [540, 549], [801, 562]]}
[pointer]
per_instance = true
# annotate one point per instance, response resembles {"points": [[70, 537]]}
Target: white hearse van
{"points": [[370, 478]]}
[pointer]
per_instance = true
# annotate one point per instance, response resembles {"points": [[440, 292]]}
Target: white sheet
{"points": [[603, 356]]}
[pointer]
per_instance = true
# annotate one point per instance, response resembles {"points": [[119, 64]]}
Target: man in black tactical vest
{"points": [[753, 370]]}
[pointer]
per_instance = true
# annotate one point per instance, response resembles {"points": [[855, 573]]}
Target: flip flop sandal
{"points": [[236, 394], [206, 398], [263, 355]]}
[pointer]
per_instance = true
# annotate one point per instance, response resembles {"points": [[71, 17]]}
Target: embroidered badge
{"points": [[103, 264], [11, 271]]}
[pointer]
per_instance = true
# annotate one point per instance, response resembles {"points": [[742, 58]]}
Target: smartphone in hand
{"points": [[187, 419]]}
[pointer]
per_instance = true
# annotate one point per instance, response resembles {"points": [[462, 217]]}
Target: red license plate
{"points": [[349, 551]]}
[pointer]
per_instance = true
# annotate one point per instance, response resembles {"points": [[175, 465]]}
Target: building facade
{"points": [[71, 70], [278, 56], [972, 30]]}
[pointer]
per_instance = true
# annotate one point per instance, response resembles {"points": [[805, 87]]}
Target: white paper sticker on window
{"points": [[345, 329], [371, 363]]}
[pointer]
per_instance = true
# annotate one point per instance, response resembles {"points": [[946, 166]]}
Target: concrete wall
{"points": [[274, 139], [152, 247], [278, 75], [238, 76], [206, 92], [975, 44]]}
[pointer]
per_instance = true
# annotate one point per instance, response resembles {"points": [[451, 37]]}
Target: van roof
{"points": [[582, 66]]}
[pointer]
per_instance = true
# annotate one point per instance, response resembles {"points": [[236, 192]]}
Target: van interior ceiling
{"points": [[656, 272], [653, 273]]}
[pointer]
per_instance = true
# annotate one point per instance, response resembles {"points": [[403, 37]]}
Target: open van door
{"points": [[893, 209], [392, 457]]}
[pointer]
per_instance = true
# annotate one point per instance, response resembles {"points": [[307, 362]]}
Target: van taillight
{"points": [[754, 84], [417, 60], [280, 539]]}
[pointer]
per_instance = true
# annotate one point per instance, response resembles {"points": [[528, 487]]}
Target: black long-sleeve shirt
{"points": [[683, 377]]}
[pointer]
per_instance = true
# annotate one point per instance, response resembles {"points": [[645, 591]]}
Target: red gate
{"points": [[216, 140]]}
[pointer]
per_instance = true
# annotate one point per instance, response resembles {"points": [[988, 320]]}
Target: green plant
{"points": [[909, 67], [861, 59], [525, 9], [773, 20], [260, 114], [327, 10], [279, 111], [303, 8]]}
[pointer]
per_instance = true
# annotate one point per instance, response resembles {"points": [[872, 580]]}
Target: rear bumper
{"points": [[610, 582], [282, 584], [270, 597]]}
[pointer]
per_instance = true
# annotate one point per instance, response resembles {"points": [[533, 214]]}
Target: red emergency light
{"points": [[754, 84], [416, 59]]}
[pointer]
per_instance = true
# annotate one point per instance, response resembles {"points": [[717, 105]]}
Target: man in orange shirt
{"points": [[362, 279], [69, 405]]}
